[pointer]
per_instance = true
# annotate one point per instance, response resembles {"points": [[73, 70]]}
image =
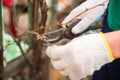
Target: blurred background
{"points": [[24, 56]]}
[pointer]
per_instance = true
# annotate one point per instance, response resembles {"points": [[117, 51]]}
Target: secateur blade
{"points": [[54, 36]]}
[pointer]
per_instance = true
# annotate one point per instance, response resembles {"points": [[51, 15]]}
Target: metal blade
{"points": [[54, 36]]}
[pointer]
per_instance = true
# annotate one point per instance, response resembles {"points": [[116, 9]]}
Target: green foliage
{"points": [[12, 51]]}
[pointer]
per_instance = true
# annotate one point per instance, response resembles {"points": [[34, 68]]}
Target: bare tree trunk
{"points": [[38, 62]]}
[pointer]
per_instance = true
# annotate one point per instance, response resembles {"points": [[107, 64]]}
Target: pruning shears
{"points": [[57, 35]]}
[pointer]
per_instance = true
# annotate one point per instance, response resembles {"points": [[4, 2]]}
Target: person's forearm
{"points": [[114, 42]]}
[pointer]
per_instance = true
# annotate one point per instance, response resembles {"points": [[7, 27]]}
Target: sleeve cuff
{"points": [[107, 46]]}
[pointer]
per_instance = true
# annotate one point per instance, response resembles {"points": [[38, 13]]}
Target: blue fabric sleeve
{"points": [[110, 71]]}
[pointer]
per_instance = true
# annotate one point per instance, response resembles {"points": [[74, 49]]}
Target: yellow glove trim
{"points": [[107, 46]]}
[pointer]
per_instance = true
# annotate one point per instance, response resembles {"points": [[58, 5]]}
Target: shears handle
{"points": [[67, 33]]}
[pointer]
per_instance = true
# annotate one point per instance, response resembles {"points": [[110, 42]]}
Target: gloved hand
{"points": [[80, 57], [88, 17]]}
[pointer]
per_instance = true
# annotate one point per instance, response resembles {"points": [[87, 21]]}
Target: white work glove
{"points": [[80, 57], [89, 17]]}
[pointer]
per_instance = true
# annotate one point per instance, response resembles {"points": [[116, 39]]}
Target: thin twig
{"points": [[40, 37]]}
